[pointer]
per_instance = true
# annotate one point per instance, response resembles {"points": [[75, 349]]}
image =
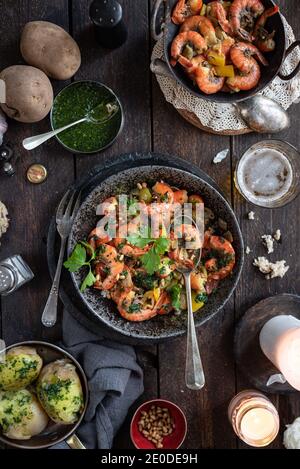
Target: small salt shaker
{"points": [[14, 272], [107, 16]]}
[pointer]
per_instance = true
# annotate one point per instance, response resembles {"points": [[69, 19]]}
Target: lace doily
{"points": [[222, 117]]}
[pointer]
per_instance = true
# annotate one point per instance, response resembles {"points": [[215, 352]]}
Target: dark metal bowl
{"points": [[105, 311], [275, 58], [54, 432], [100, 85]]}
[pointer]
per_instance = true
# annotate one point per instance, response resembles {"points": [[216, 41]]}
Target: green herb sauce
{"points": [[75, 102]]}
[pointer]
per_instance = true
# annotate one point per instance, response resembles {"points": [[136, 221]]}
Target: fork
{"points": [[64, 220]]}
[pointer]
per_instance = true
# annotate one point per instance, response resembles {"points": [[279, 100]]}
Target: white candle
{"points": [[257, 424], [280, 342], [254, 418]]}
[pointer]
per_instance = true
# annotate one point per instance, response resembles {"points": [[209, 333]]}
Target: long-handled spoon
{"points": [[194, 374], [100, 114]]}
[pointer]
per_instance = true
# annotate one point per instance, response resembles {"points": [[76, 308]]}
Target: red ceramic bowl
{"points": [[172, 441]]}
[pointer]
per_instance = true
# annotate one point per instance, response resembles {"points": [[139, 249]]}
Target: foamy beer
{"points": [[280, 342]]}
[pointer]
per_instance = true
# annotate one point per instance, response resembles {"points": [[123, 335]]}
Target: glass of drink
{"points": [[268, 174], [254, 418]]}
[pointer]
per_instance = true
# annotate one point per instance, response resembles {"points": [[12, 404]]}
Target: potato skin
{"points": [[21, 367], [59, 391], [50, 48], [29, 93], [21, 415]]}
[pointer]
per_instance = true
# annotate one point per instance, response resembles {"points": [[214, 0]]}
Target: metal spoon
{"points": [[259, 113], [100, 114], [194, 374], [263, 115]]}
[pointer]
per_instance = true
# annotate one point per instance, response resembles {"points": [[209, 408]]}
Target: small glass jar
{"points": [[254, 418]]}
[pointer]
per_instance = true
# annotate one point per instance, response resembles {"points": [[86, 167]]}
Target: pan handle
{"points": [[296, 70], [156, 7], [159, 67], [74, 442]]}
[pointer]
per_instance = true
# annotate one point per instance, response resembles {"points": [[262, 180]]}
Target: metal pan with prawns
{"points": [[137, 270], [220, 45]]}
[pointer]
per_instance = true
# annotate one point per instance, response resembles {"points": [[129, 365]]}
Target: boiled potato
{"points": [[29, 93], [50, 48], [21, 415], [21, 367], [59, 391]]}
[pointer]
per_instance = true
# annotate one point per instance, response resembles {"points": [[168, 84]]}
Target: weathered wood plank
{"points": [[30, 207], [206, 409], [126, 71], [252, 286]]}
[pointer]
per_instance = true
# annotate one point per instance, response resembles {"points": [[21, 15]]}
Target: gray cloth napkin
{"points": [[115, 381]]}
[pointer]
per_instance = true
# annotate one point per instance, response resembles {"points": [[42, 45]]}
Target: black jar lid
{"points": [[106, 13]]}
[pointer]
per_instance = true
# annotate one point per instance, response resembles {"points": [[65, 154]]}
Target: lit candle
{"points": [[280, 342], [254, 418]]}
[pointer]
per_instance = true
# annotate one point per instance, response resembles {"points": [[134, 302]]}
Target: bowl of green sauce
{"points": [[74, 102]]}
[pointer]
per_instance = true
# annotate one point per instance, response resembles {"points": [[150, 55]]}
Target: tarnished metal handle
{"points": [[156, 7], [159, 67], [74, 442], [297, 68]]}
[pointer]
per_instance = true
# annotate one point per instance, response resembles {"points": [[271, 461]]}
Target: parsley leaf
{"points": [[162, 245], [77, 258], [137, 240], [175, 292], [89, 281], [151, 260]]}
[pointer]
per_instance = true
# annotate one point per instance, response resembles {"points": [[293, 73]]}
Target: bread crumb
{"points": [[221, 156], [271, 269], [277, 235], [4, 221], [248, 250], [269, 243], [251, 216]]}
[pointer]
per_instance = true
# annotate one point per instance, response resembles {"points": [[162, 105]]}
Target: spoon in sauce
{"points": [[187, 259], [102, 113]]}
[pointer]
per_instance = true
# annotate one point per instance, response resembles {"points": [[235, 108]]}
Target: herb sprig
{"points": [[78, 259], [151, 259]]}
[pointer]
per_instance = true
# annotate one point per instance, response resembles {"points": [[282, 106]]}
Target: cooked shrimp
{"points": [[198, 280], [217, 11], [181, 197], [185, 8], [242, 15], [203, 74], [226, 46], [242, 56], [221, 264], [194, 41], [132, 309], [98, 237], [246, 81], [163, 192], [201, 25], [263, 39], [112, 267]]}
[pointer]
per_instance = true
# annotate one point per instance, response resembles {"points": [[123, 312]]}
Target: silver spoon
{"points": [[263, 115], [194, 374], [259, 113], [100, 114]]}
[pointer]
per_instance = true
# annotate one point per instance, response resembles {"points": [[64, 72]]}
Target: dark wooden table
{"points": [[151, 124]]}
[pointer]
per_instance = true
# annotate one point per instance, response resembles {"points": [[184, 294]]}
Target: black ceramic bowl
{"points": [[167, 326]]}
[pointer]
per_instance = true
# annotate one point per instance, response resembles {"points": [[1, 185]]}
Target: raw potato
{"points": [[21, 367], [21, 415], [29, 93], [60, 393], [50, 48]]}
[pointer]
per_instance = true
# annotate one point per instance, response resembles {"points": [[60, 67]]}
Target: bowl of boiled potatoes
{"points": [[43, 395]]}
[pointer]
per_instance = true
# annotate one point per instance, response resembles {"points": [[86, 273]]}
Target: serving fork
{"points": [[64, 219]]}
